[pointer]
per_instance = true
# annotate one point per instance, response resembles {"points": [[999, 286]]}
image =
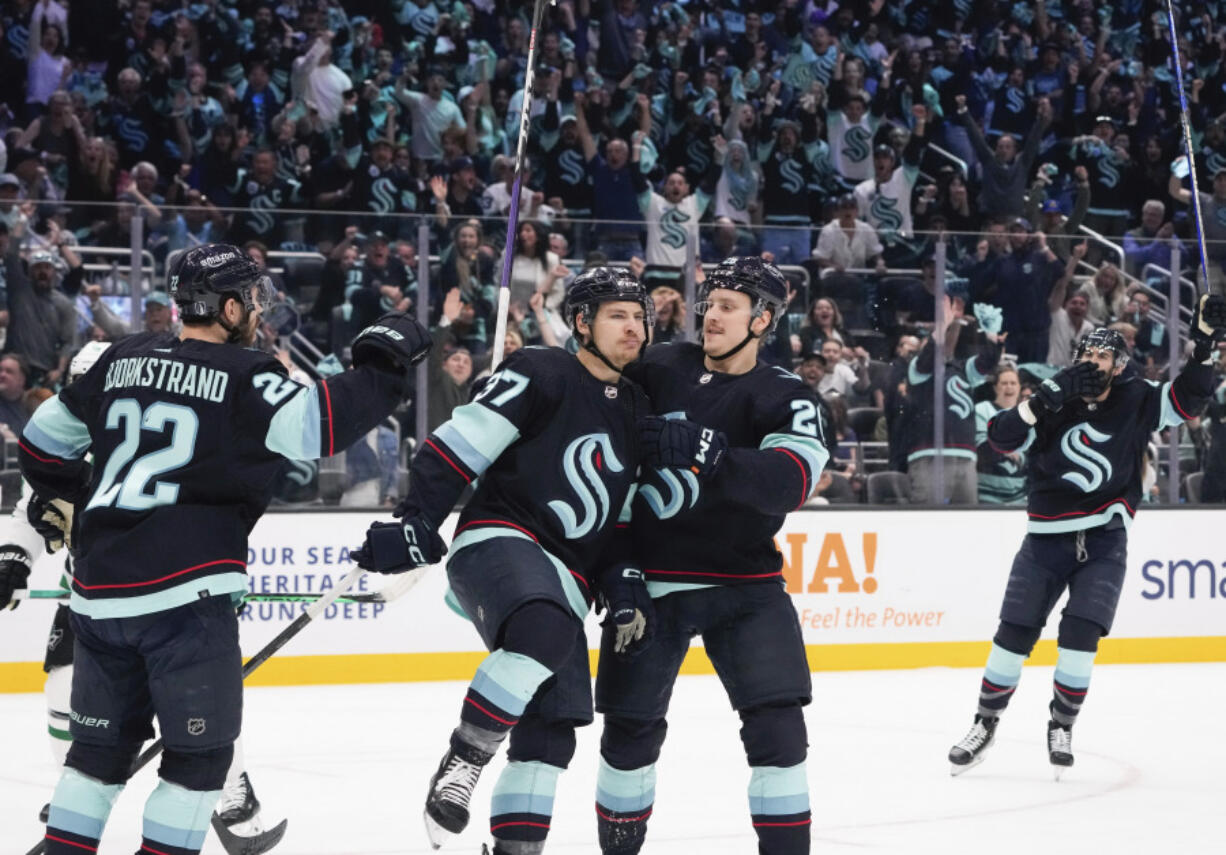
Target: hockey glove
{"points": [[1080, 380], [400, 546], [681, 444], [633, 617], [14, 570], [51, 519], [395, 339], [1208, 326]]}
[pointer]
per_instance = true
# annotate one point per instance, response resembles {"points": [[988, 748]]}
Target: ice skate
{"points": [[1059, 747], [450, 790], [236, 820], [970, 752]]}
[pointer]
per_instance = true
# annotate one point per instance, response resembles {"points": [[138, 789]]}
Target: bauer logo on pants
{"points": [[195, 726]]}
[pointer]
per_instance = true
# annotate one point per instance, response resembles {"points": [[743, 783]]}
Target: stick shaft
{"points": [[521, 144]]}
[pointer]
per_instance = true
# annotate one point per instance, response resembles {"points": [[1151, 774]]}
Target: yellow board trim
{"points": [[416, 667]]}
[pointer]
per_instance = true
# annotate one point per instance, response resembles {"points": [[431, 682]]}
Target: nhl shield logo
{"points": [[610, 392], [53, 640], [704, 379], [195, 726]]}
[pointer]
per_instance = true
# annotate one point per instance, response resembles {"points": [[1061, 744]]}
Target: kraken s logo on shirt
{"points": [[884, 211], [383, 196], [672, 225], [959, 392], [1076, 446], [680, 483], [570, 168], [259, 218], [697, 156], [856, 143], [1108, 171], [132, 132], [737, 198], [792, 178], [583, 461], [1015, 100]]}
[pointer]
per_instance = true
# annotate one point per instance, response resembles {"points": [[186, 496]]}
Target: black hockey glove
{"points": [[1208, 326], [681, 444], [1080, 380], [633, 616], [52, 519], [395, 339], [400, 546], [14, 570]]}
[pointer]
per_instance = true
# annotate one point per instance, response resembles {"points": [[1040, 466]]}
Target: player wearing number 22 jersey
{"points": [[187, 434]]}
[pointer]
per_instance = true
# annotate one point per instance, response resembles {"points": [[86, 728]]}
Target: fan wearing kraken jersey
{"points": [[260, 192], [553, 439], [672, 216], [793, 162], [1087, 429], [850, 126], [884, 200], [187, 434], [384, 189], [712, 567]]}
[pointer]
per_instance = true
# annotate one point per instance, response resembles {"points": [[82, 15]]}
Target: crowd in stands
{"points": [[1023, 155]]}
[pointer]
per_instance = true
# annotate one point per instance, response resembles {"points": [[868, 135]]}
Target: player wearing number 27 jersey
{"points": [[186, 435]]}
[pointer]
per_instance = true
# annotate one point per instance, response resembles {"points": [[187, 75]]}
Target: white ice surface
{"points": [[348, 766]]}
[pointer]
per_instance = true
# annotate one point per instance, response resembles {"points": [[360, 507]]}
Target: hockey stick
{"points": [[313, 611], [1186, 121], [383, 596], [504, 289]]}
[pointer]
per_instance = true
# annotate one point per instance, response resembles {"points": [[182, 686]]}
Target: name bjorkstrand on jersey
{"points": [[169, 375]]}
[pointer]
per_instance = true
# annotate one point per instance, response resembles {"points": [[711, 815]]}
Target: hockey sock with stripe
{"points": [[522, 806], [779, 806], [1071, 682], [624, 800], [1000, 677], [177, 819], [496, 698], [79, 811]]}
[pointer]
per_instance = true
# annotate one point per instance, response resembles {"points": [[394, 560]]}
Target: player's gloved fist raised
{"points": [[1208, 325], [395, 339], [14, 570], [630, 609], [1080, 380], [681, 444], [52, 520], [400, 546]]}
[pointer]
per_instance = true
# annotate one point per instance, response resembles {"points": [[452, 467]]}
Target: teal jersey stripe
{"points": [[525, 787], [486, 433], [1081, 523], [778, 789], [1073, 667], [55, 430], [294, 431], [455, 441], [177, 816], [81, 804], [233, 584], [948, 452], [509, 679], [1004, 667], [914, 375], [625, 790], [655, 590], [1170, 416], [810, 449]]}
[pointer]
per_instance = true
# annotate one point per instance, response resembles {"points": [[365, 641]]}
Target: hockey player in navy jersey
{"points": [[1087, 429], [187, 435], [711, 564], [554, 440]]}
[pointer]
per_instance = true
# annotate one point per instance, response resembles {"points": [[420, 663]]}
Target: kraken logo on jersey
{"points": [[383, 196], [1015, 100], [959, 392], [1076, 445], [793, 179], [1108, 171], [672, 227], [570, 167], [856, 143], [885, 211], [1215, 163], [582, 463], [258, 217], [677, 491], [737, 198], [132, 132]]}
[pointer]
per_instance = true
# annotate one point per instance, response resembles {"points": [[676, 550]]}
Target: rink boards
{"points": [[879, 589]]}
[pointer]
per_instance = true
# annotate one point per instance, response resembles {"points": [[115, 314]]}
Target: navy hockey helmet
{"points": [[762, 281], [204, 276], [1105, 339], [606, 285]]}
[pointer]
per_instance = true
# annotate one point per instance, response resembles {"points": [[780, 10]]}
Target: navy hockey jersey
{"points": [[721, 531], [187, 438], [961, 378], [554, 453], [1085, 461]]}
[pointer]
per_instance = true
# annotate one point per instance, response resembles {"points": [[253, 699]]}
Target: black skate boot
{"points": [[450, 790], [970, 752], [236, 819], [44, 813], [1059, 747], [621, 833]]}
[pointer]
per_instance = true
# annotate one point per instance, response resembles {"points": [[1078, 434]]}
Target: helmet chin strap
{"points": [[731, 353]]}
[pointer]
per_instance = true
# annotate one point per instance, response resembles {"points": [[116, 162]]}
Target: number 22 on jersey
{"points": [[130, 493]]}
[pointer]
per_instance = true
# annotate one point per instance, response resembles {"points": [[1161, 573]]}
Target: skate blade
{"points": [[247, 844], [955, 770], [1058, 770], [435, 832]]}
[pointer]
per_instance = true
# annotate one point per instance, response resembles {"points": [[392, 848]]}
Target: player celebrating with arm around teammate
{"points": [[554, 440], [187, 434], [711, 564], [1087, 427]]}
